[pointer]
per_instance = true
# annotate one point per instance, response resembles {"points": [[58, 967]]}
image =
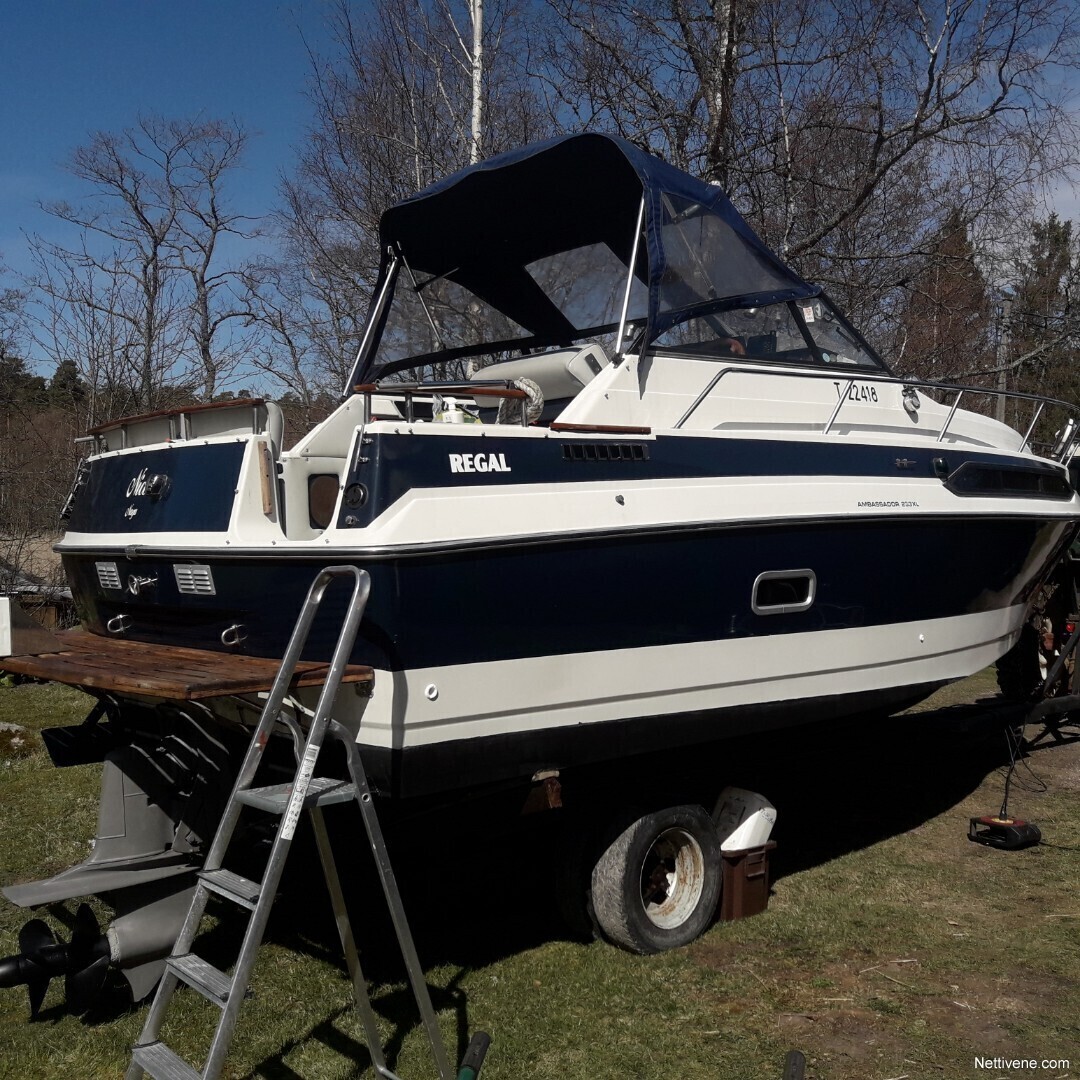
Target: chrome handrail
{"points": [[1061, 452]]}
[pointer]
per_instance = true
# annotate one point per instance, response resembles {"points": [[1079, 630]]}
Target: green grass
{"points": [[891, 945]]}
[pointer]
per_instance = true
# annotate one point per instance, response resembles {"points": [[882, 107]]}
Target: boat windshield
{"points": [[796, 332]]}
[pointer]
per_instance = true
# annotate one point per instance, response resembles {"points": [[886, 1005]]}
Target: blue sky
{"points": [[71, 68]]}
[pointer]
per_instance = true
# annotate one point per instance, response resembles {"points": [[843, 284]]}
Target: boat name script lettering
{"points": [[888, 504], [139, 485], [478, 463], [857, 391]]}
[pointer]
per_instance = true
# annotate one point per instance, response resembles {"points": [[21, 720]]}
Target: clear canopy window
{"points": [[706, 259], [429, 318], [588, 285]]}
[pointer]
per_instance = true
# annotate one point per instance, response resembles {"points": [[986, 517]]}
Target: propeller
{"points": [[35, 938], [88, 961], [83, 962]]}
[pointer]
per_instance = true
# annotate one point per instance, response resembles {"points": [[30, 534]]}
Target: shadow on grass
{"points": [[397, 1007], [324, 1032], [476, 894], [841, 788]]}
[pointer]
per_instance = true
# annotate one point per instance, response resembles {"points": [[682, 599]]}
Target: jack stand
{"points": [[1010, 834]]}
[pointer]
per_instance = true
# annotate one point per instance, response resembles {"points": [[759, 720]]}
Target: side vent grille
{"points": [[194, 579], [605, 451], [108, 576]]}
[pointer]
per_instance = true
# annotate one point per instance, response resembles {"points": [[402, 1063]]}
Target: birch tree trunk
{"points": [[477, 64]]}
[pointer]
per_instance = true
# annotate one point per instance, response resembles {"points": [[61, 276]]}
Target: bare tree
{"points": [[660, 73], [308, 333], [410, 93], [203, 221], [141, 298], [475, 59], [847, 131], [80, 321], [13, 318]]}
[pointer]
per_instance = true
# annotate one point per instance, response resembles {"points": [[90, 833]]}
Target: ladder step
{"points": [[213, 984], [162, 1064], [322, 791], [232, 886]]}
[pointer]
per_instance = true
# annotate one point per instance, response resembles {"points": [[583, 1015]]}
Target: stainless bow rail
{"points": [[1065, 443]]}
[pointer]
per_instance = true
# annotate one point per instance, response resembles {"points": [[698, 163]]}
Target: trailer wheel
{"points": [[657, 884], [573, 879]]}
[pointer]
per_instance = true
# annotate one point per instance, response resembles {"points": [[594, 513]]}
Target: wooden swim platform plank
{"points": [[164, 671]]}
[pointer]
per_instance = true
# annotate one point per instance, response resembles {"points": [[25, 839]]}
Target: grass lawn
{"points": [[892, 946]]}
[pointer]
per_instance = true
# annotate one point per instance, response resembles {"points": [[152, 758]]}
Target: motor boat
{"points": [[622, 481], [621, 478]]}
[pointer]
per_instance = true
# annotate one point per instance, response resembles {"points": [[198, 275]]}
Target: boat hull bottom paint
{"points": [[472, 764]]}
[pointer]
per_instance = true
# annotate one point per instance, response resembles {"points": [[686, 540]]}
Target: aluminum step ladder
{"points": [[307, 792]]}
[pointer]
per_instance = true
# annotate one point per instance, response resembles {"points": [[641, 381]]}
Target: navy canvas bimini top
{"points": [[544, 235]]}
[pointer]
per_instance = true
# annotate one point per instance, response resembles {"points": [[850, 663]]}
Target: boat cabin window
{"points": [[437, 316], [706, 259], [322, 499], [800, 332], [588, 285]]}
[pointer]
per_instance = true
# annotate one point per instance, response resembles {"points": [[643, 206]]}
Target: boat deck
{"points": [[163, 671]]}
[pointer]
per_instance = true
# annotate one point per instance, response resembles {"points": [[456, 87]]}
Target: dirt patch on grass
{"points": [[851, 1040], [16, 742], [862, 1023]]}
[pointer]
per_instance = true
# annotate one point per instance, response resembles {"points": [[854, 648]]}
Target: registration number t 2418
{"points": [[856, 391]]}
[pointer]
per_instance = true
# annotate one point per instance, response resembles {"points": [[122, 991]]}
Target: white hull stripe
{"points": [[431, 705]]}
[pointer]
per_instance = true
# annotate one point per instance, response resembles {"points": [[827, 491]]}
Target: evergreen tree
{"points": [[19, 388], [947, 326], [66, 388], [1043, 327]]}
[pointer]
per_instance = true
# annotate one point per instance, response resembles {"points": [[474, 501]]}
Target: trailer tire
{"points": [[657, 884], [573, 880]]}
